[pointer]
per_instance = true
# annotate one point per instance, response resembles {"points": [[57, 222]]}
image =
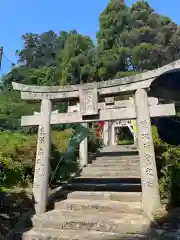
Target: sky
{"points": [[19, 17]]}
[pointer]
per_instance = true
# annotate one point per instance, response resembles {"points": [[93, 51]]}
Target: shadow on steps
{"points": [[118, 153], [104, 180]]}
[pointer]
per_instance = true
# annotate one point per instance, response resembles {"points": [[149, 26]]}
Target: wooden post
{"points": [[83, 150], [149, 179], [42, 167]]}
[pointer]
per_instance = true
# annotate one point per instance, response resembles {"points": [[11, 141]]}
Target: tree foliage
{"points": [[132, 38], [136, 38], [168, 165]]}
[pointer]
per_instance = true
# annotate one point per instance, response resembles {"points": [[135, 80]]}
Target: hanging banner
{"points": [[78, 136], [133, 126]]}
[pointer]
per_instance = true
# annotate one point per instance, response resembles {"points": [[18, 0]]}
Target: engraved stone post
{"points": [[106, 133], [135, 135], [149, 179], [109, 133], [42, 167], [83, 150], [135, 139], [113, 135]]}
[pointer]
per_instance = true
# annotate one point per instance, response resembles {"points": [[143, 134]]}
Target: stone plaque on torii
{"points": [[91, 110]]}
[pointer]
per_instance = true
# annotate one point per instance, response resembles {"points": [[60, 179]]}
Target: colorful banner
{"points": [[133, 126]]}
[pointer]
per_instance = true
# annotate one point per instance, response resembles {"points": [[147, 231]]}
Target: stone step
{"points": [[56, 234], [119, 161], [107, 173], [113, 187], [113, 196], [114, 164], [119, 148], [125, 168], [120, 151], [120, 158], [99, 206], [120, 223]]}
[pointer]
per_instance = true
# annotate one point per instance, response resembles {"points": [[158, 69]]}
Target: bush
{"points": [[125, 136], [61, 168], [170, 177], [168, 165], [18, 153], [94, 142]]}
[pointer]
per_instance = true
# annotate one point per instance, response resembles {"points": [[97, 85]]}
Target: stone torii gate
{"points": [[111, 126], [91, 110], [120, 124], [109, 134]]}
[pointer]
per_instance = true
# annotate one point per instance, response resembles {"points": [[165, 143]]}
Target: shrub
{"points": [[125, 136], [62, 168], [18, 153], [170, 177], [94, 142], [168, 165]]}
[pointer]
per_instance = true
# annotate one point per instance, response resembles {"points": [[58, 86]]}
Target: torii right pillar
{"points": [[149, 179]]}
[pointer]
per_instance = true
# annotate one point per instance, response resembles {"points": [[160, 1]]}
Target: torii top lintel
{"points": [[109, 87]]}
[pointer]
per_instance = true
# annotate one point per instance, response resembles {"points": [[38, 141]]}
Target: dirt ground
{"points": [[13, 205]]}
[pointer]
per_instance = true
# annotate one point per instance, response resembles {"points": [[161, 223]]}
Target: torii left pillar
{"points": [[42, 167], [106, 133], [83, 150]]}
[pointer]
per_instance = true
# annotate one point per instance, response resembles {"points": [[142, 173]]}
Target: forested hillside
{"points": [[130, 40]]}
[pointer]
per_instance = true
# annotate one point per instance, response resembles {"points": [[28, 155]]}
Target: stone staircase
{"points": [[104, 202]]}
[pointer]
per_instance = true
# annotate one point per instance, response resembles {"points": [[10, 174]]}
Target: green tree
{"points": [[12, 107], [135, 38], [77, 59], [39, 50]]}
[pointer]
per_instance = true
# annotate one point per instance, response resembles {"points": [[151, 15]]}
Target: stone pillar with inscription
{"points": [[113, 135], [109, 133], [106, 133], [135, 139], [88, 108], [149, 179], [42, 166], [83, 150]]}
